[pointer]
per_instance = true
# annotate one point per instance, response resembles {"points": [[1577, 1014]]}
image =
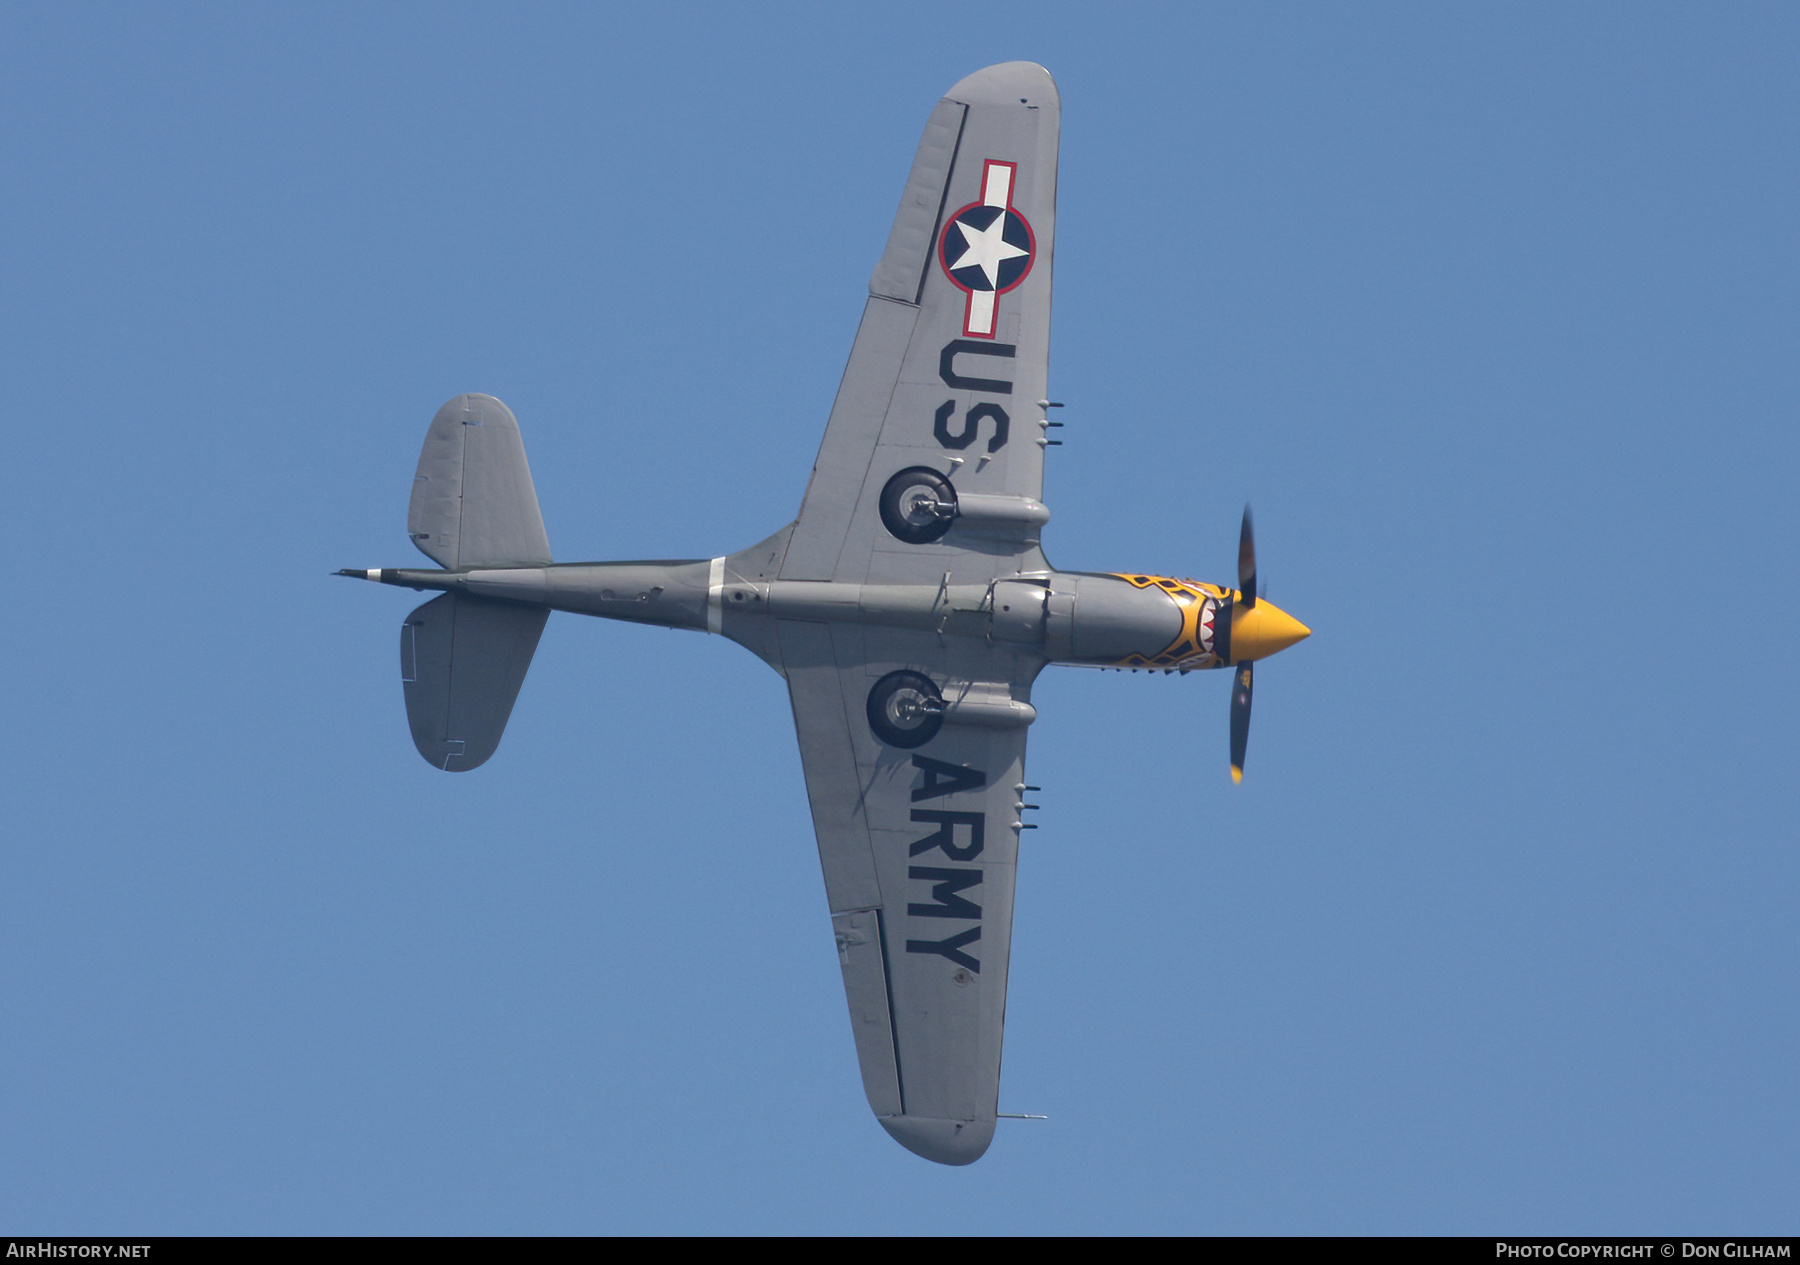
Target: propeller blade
{"points": [[1240, 719], [1247, 561]]}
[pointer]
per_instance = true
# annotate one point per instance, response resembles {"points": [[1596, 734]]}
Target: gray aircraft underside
{"points": [[909, 606]]}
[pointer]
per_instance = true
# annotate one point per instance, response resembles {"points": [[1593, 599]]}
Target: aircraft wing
{"points": [[952, 356], [919, 852]]}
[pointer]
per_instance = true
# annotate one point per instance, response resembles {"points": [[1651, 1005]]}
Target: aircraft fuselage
{"points": [[1113, 620]]}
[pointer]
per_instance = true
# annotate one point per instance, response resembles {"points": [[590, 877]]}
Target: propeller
{"points": [[1259, 629], [1244, 685], [1240, 718], [1247, 561]]}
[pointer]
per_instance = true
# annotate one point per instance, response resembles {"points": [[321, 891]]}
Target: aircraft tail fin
{"points": [[462, 661], [473, 502]]}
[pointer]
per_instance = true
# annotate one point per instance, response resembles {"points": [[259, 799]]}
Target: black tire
{"points": [[913, 505], [905, 709]]}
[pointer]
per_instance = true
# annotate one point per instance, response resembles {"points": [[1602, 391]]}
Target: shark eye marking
{"points": [[1195, 644]]}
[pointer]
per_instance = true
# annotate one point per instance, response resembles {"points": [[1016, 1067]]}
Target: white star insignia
{"points": [[986, 249]]}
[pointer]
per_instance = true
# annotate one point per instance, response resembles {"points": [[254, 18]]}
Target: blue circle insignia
{"points": [[978, 252]]}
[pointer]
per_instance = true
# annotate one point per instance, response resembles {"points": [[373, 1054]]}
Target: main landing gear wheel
{"points": [[917, 505], [905, 709]]}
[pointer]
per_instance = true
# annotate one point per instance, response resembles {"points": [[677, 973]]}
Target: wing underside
{"points": [[919, 850], [952, 357]]}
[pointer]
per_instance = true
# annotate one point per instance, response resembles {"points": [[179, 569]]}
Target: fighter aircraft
{"points": [[909, 606]]}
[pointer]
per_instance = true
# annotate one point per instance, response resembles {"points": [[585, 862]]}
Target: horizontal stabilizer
{"points": [[462, 661], [473, 503]]}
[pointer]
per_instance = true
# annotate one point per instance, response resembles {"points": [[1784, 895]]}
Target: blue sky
{"points": [[1490, 311]]}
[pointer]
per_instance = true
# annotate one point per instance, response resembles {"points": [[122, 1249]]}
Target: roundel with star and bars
{"points": [[987, 248]]}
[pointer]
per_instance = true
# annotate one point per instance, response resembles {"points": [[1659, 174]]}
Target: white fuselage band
{"points": [[715, 596]]}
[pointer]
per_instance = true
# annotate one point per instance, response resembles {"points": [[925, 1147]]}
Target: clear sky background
{"points": [[1490, 311]]}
